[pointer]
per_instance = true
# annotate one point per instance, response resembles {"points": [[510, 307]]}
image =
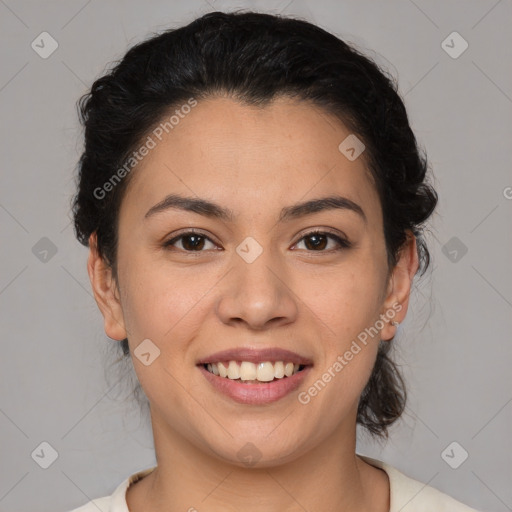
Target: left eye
{"points": [[195, 241], [319, 237]]}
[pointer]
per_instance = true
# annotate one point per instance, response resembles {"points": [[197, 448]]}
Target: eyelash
{"points": [[342, 242]]}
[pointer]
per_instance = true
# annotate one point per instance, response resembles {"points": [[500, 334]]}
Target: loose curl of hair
{"points": [[254, 58]]}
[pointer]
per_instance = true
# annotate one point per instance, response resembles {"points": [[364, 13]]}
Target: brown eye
{"points": [[318, 241], [190, 241]]}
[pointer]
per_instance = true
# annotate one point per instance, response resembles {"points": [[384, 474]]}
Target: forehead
{"points": [[248, 157]]}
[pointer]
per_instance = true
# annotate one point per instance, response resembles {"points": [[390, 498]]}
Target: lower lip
{"points": [[255, 394]]}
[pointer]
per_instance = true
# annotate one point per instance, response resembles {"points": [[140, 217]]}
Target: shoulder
{"points": [[409, 495], [116, 502], [97, 505]]}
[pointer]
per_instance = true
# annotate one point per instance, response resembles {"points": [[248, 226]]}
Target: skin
{"points": [[295, 296]]}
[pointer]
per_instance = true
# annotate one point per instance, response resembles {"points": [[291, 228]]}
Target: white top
{"points": [[406, 494]]}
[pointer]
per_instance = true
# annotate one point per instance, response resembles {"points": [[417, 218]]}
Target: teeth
{"points": [[247, 371], [233, 370], [223, 371], [265, 372], [279, 369]]}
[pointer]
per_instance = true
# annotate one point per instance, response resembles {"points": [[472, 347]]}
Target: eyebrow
{"points": [[215, 211]]}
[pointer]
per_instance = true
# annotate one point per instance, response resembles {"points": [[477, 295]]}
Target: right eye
{"points": [[191, 241]]}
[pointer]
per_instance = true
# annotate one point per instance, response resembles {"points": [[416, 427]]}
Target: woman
{"points": [[253, 199]]}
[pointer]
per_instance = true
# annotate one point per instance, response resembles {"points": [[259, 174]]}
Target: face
{"points": [[257, 281]]}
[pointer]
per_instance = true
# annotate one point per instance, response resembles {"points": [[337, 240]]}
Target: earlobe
{"points": [[105, 292], [399, 288]]}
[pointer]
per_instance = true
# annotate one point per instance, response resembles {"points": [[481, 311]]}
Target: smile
{"points": [[254, 391], [249, 372]]}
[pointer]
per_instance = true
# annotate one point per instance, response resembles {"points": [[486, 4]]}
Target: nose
{"points": [[257, 293]]}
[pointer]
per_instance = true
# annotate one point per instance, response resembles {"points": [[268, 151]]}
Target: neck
{"points": [[328, 477]]}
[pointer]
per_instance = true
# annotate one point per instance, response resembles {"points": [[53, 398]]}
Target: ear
{"points": [[399, 286], [105, 292]]}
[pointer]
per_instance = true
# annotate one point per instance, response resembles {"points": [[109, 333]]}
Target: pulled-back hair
{"points": [[255, 58]]}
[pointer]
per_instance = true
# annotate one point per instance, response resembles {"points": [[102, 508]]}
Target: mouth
{"points": [[248, 372], [255, 377]]}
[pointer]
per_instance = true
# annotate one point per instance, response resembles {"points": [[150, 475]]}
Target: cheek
{"points": [[346, 300], [333, 396], [158, 300], [162, 307], [345, 305]]}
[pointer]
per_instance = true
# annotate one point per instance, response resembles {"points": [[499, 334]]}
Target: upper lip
{"points": [[253, 355]]}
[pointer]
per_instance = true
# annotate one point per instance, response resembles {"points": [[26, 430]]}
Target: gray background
{"points": [[455, 346]]}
